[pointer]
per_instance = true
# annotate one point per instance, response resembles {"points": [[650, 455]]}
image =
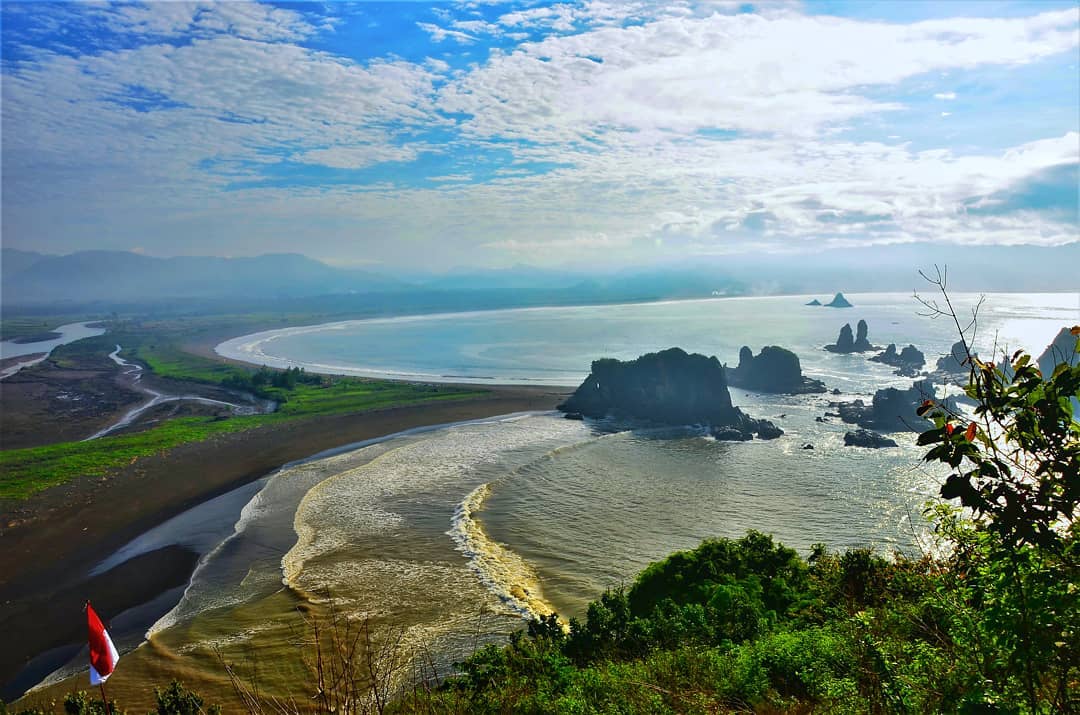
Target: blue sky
{"points": [[579, 134]]}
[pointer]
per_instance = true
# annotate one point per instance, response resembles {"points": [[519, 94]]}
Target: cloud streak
{"points": [[561, 133]]}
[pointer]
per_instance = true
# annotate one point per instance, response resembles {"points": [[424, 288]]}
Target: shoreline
{"points": [[102, 515]]}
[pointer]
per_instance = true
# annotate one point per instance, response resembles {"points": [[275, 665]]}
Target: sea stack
{"points": [[838, 301], [669, 387], [892, 410], [846, 343], [908, 361], [775, 369], [815, 301]]}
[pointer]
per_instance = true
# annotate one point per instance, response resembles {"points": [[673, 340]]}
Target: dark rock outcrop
{"points": [[815, 301], [1061, 350], [868, 439], [954, 365], [668, 387], [774, 369], [908, 361], [838, 301], [862, 345], [732, 434], [846, 343], [892, 410]]}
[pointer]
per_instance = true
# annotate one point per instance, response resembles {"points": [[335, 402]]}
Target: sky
{"points": [[596, 134]]}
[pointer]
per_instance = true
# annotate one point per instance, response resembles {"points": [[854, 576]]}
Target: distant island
{"points": [[670, 387], [838, 301]]}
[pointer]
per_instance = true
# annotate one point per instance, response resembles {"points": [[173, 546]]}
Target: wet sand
{"points": [[50, 541]]}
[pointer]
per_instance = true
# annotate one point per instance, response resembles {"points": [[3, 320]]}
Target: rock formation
{"points": [[1062, 349], [815, 301], [868, 439], [862, 345], [838, 301], [908, 361], [846, 343], [892, 410], [954, 365], [670, 387], [773, 370]]}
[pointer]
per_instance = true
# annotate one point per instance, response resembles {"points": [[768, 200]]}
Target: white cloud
{"points": [[788, 73], [438, 34], [143, 142]]}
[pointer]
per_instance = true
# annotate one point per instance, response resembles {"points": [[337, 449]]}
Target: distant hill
{"points": [[120, 276], [13, 261]]}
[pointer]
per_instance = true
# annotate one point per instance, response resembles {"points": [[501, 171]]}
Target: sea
{"points": [[445, 539]]}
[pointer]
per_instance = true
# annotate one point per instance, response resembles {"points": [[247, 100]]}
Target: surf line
{"points": [[504, 572]]}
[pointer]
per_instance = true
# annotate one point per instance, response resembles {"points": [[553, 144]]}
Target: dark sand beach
{"points": [[51, 540]]}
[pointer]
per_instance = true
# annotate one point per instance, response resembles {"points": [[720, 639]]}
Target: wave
{"points": [[502, 571]]}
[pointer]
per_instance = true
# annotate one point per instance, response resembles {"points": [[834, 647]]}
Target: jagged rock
{"points": [[731, 434], [838, 301], [908, 361], [815, 301], [808, 446], [866, 438], [773, 370], [669, 387], [954, 365], [574, 416], [862, 345], [767, 430], [820, 419], [892, 410], [1061, 350], [835, 391], [845, 342]]}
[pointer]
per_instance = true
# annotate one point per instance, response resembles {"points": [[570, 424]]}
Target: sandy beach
{"points": [[51, 540]]}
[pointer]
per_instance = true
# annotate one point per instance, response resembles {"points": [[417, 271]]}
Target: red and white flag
{"points": [[103, 655]]}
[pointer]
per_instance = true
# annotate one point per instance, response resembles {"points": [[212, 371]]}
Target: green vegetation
{"points": [[28, 471], [24, 472]]}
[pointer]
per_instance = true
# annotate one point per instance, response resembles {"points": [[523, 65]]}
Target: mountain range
{"points": [[292, 281]]}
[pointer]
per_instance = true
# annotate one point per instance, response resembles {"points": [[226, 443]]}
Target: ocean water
{"points": [[456, 535], [556, 345]]}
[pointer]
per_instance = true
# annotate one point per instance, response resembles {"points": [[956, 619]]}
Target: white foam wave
{"points": [[501, 570]]}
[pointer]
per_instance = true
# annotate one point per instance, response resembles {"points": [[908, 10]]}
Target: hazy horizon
{"points": [[585, 136]]}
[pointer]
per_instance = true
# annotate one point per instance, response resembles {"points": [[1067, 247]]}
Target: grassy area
{"points": [[28, 471], [24, 472]]}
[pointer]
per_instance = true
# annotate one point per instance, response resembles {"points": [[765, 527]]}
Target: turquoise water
{"points": [[556, 345]]}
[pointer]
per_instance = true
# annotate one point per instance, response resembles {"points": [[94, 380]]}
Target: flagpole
{"points": [[104, 698]]}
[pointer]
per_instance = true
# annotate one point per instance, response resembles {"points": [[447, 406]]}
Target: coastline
{"points": [[99, 516]]}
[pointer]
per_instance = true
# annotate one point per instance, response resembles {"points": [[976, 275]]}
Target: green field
{"points": [[24, 472]]}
